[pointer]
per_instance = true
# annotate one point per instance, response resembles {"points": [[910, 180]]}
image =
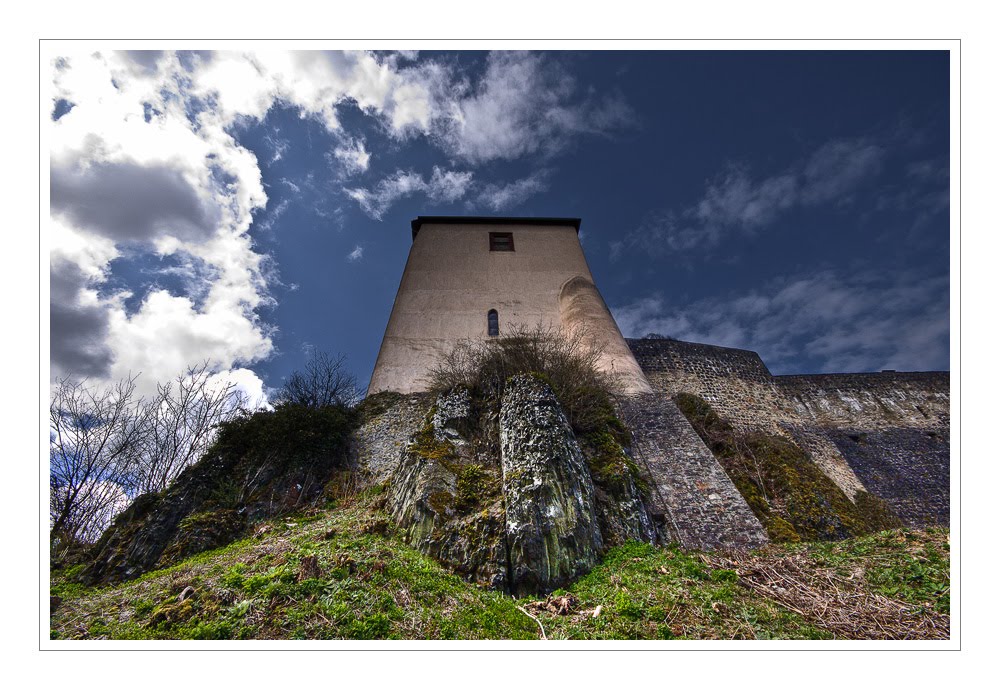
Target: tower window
{"points": [[492, 322], [501, 241]]}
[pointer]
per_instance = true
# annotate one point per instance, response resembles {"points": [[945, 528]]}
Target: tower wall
{"points": [[452, 280]]}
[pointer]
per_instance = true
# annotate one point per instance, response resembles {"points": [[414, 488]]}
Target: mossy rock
{"points": [[610, 466], [201, 532], [780, 530], [427, 446], [476, 486]]}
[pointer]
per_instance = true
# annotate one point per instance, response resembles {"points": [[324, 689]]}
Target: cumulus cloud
{"points": [[441, 185], [145, 60], [128, 201], [132, 169], [735, 201], [356, 253], [316, 82], [861, 321], [525, 103], [78, 326], [143, 162]]}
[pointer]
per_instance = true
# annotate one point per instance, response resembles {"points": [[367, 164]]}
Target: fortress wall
{"points": [[891, 412], [907, 467], [885, 433], [736, 383], [693, 499], [869, 401]]}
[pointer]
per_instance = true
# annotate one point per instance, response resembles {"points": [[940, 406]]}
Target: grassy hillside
{"points": [[342, 573]]}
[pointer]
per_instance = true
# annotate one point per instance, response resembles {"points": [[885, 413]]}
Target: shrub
{"points": [[292, 434], [567, 363]]}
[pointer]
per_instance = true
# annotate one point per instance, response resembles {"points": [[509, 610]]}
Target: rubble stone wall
{"points": [[903, 418]]}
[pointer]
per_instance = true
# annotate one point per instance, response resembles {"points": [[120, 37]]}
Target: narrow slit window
{"points": [[501, 241], [492, 323]]}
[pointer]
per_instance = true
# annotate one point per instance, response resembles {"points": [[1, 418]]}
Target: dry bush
{"points": [[568, 362], [324, 382]]}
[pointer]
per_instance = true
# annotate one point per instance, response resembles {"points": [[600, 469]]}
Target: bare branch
{"points": [[324, 382]]}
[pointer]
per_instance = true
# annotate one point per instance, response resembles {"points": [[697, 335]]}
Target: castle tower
{"points": [[469, 278]]}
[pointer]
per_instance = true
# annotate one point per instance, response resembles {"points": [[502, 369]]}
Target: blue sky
{"points": [[247, 208]]}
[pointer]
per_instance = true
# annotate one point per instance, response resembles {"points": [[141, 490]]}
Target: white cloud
{"points": [[352, 156], [243, 382], [156, 183], [442, 185], [736, 202], [836, 169], [356, 253], [861, 321], [502, 196], [316, 82], [525, 103]]}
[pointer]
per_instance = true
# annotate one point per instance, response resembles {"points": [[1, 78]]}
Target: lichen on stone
{"points": [[552, 530]]}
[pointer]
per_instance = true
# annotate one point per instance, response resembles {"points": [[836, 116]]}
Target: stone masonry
{"points": [[885, 433], [693, 498]]}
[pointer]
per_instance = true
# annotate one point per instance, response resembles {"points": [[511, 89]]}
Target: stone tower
{"points": [[470, 278]]}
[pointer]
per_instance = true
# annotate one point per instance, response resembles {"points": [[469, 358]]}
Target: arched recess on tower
{"points": [[582, 311]]}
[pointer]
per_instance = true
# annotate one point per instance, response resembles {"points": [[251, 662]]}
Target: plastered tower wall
{"points": [[452, 280]]}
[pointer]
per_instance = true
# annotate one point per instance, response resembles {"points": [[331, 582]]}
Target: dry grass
{"points": [[841, 594]]}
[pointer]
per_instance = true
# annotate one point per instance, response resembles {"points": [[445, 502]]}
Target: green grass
{"points": [[341, 573], [907, 565], [368, 586], [646, 592]]}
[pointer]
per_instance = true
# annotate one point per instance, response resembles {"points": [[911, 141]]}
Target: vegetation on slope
{"points": [[786, 490], [339, 573], [260, 464], [343, 572]]}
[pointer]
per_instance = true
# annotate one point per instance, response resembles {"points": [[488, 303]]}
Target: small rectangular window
{"points": [[501, 242]]}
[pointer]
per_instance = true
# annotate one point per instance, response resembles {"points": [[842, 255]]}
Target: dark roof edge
{"points": [[490, 220]]}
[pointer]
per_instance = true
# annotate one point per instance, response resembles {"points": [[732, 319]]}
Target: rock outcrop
{"points": [[445, 494], [510, 500], [551, 526]]}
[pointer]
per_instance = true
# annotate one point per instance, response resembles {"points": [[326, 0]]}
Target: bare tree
{"points": [[323, 382], [95, 436], [178, 426], [108, 446]]}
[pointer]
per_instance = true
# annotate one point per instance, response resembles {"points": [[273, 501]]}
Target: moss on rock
{"points": [[261, 464], [203, 531], [786, 490]]}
